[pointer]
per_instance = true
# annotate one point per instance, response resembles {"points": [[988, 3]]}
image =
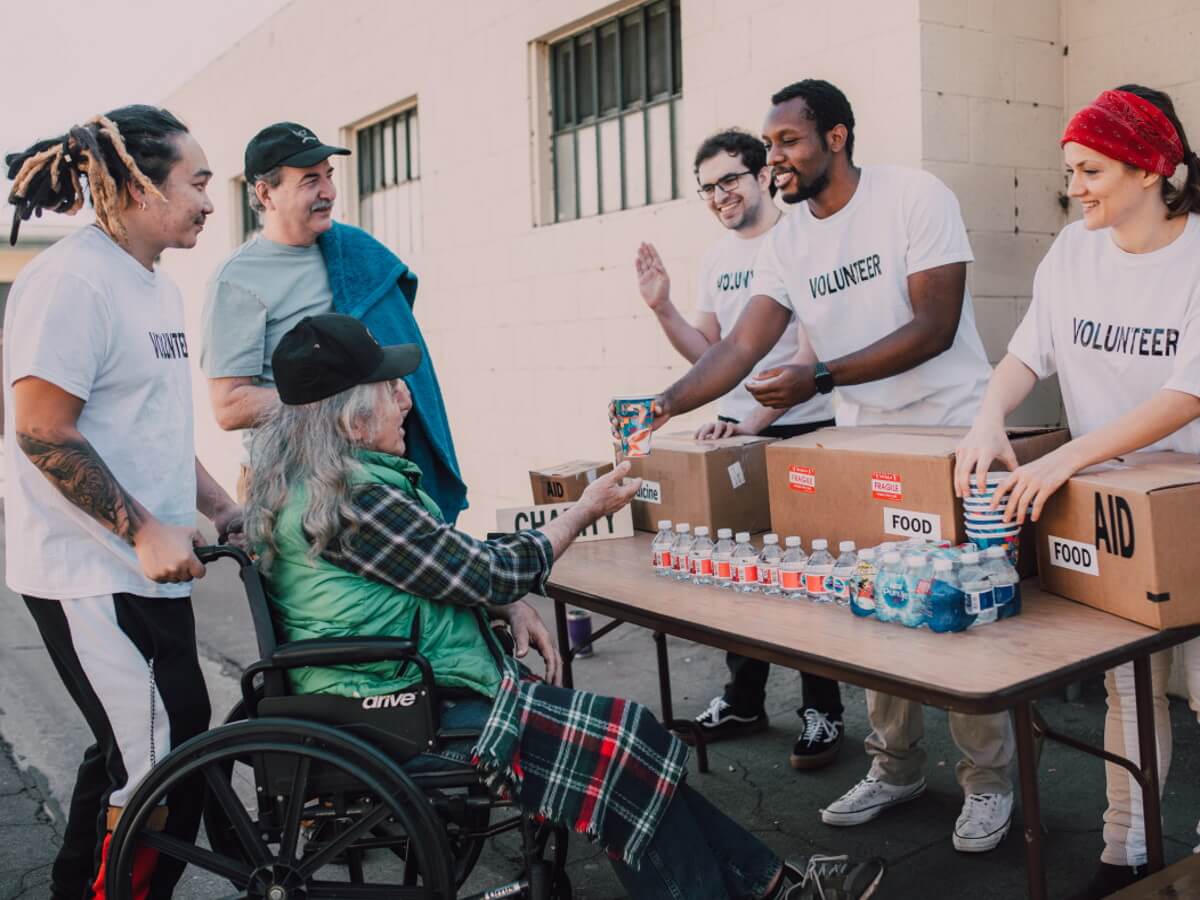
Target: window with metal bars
{"points": [[614, 98], [388, 153], [250, 221]]}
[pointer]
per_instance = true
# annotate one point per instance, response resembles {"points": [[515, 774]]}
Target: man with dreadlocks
{"points": [[304, 264], [101, 502]]}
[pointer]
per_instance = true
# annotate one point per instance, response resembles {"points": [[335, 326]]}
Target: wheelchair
{"points": [[299, 788]]}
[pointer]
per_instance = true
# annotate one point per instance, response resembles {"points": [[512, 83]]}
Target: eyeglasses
{"points": [[727, 183]]}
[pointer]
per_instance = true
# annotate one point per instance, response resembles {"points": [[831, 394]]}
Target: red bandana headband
{"points": [[1128, 128]]}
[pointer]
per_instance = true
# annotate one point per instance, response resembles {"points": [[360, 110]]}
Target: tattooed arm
{"points": [[45, 417]]}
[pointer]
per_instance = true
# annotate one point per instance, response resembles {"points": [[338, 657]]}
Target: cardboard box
{"points": [[1118, 536], [566, 482], [518, 518], [718, 483], [875, 484]]}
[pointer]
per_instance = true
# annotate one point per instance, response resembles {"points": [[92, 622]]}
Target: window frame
{"points": [[552, 92]]}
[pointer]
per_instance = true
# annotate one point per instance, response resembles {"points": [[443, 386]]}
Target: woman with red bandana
{"points": [[1116, 314]]}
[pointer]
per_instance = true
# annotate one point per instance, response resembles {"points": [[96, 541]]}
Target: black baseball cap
{"points": [[286, 144], [325, 355]]}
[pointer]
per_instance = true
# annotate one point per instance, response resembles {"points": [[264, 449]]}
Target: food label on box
{"points": [[886, 486], [803, 479], [649, 492], [1074, 555], [736, 476], [913, 524]]}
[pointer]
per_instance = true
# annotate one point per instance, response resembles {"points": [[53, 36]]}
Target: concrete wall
{"points": [[532, 328]]}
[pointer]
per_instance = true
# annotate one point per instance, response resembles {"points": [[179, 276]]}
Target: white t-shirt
{"points": [[723, 289], [1116, 326], [846, 277], [87, 317]]}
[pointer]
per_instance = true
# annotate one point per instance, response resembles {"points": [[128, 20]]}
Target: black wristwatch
{"points": [[823, 378]]}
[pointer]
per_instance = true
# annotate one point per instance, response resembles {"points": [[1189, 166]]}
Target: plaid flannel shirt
{"points": [[399, 543]]}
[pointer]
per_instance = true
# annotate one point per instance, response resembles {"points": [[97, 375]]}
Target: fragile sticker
{"points": [[649, 492], [1074, 555], [802, 479], [736, 476], [887, 486]]}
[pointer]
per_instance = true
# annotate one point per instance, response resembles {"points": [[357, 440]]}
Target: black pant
{"points": [[162, 632], [747, 691]]}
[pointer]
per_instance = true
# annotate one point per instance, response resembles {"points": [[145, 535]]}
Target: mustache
{"points": [[321, 206]]}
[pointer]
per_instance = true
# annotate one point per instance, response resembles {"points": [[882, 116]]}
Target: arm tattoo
{"points": [[74, 467]]}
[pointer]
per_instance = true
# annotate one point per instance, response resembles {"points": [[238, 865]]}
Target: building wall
{"points": [[532, 328]]}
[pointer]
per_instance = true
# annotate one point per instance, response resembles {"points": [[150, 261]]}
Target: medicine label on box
{"points": [[912, 524], [1074, 555], [649, 492]]}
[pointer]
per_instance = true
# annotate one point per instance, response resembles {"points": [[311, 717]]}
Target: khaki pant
{"points": [[987, 744], [1124, 825]]}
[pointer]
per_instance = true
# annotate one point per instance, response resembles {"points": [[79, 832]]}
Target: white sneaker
{"points": [[867, 799], [983, 822]]}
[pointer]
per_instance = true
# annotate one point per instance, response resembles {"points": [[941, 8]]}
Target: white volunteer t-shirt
{"points": [[723, 289], [846, 277], [87, 317], [1117, 327]]}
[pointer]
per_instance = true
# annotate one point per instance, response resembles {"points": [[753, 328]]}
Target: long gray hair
{"points": [[310, 446]]}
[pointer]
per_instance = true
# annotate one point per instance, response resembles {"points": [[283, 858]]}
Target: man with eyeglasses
{"points": [[731, 168]]}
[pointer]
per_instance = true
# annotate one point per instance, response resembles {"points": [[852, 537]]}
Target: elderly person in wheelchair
{"points": [[350, 545]]}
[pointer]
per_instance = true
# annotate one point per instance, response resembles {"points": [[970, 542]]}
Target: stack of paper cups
{"points": [[986, 526]]}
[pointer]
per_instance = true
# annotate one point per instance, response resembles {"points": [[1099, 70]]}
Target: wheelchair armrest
{"points": [[342, 651]]}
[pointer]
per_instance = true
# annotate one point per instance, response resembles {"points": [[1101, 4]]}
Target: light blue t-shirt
{"points": [[254, 298]]}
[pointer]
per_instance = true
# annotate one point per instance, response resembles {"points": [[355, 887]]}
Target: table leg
{"points": [[1143, 689], [564, 642], [1030, 805], [668, 712]]}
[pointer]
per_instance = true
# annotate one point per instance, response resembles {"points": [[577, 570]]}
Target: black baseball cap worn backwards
{"points": [[325, 355], [286, 144]]}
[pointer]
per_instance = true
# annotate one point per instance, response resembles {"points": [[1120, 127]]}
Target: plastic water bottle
{"points": [[660, 548], [885, 547], [1006, 583], [791, 569], [980, 600], [700, 564], [768, 565], [918, 577], [862, 590], [723, 558], [891, 588], [947, 605], [745, 565], [841, 580], [679, 551], [819, 568]]}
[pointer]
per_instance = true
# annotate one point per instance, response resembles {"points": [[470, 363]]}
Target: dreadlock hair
{"points": [[827, 106], [1180, 200], [130, 145]]}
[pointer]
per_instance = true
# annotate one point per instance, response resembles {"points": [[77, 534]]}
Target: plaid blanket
{"points": [[600, 766]]}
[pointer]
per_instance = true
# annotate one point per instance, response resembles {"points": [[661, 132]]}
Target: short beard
{"points": [[807, 192]]}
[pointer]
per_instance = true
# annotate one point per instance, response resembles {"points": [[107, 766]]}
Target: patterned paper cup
{"points": [[635, 416], [1010, 542]]}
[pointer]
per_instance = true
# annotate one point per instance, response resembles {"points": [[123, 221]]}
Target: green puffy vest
{"points": [[316, 599]]}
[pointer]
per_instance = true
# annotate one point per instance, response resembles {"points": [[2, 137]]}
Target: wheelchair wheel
{"points": [[462, 834], [303, 772]]}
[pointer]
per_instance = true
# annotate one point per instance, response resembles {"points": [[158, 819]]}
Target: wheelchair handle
{"points": [[210, 554]]}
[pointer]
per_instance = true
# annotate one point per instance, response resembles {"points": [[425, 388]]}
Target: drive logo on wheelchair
{"points": [[389, 701]]}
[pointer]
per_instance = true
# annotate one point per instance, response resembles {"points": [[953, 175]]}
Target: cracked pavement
{"points": [[750, 779]]}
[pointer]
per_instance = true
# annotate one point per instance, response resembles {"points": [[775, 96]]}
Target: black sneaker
{"points": [[719, 723], [820, 741], [1109, 879], [831, 878]]}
